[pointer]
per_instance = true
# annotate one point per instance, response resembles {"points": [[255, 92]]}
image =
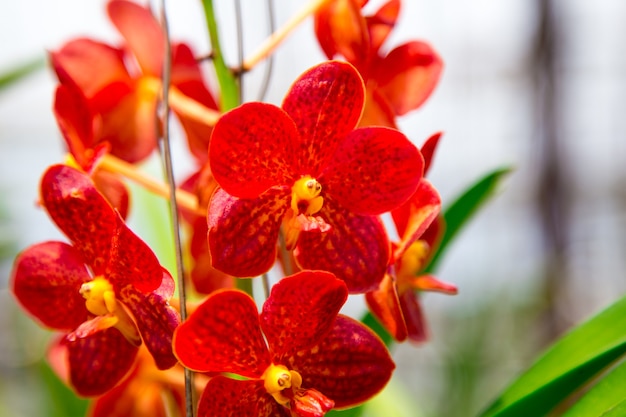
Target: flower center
{"points": [[100, 301], [305, 196], [99, 296], [278, 378]]}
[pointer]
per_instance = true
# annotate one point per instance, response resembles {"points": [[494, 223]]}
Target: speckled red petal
{"points": [[46, 280], [142, 33], [385, 306], [223, 335], [243, 233], [355, 249], [114, 190], [349, 366], [156, 321], [373, 171], [132, 261], [99, 362], [408, 75], [252, 149], [326, 103], [227, 397], [81, 212], [300, 311]]}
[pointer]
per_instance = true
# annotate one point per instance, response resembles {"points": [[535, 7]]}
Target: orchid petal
{"points": [[374, 170], [130, 125], [416, 215], [98, 362], [243, 233], [46, 280], [355, 249], [428, 150], [156, 322], [132, 261], [223, 335], [349, 366], [92, 67], [300, 311], [377, 110], [408, 75], [227, 397], [381, 23], [341, 29], [326, 103], [81, 212], [142, 33], [113, 189], [413, 317], [252, 149], [385, 306], [75, 121]]}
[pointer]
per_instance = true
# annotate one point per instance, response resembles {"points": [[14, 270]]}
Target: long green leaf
{"points": [[464, 207], [605, 396], [14, 75], [569, 364]]}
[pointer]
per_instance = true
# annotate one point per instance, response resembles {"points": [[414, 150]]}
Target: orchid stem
{"points": [[277, 37], [184, 199], [167, 157]]}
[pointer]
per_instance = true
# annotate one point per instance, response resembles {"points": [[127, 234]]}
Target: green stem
{"points": [[229, 89]]}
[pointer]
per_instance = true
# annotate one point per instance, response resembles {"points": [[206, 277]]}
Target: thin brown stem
{"points": [[278, 36], [184, 199], [169, 171]]}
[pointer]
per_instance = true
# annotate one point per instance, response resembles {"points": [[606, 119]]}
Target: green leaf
{"points": [[14, 75], [464, 207], [607, 395], [569, 364], [62, 401]]}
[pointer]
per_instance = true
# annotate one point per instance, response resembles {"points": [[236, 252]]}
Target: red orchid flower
{"points": [[107, 291], [122, 85], [398, 81], [297, 358], [147, 392], [306, 166], [395, 303]]}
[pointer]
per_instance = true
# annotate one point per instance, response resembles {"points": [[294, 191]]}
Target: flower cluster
{"points": [[301, 186]]}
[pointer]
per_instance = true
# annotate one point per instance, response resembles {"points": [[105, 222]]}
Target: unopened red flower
{"points": [[418, 223], [121, 85], [397, 81], [297, 358], [305, 166], [106, 291]]}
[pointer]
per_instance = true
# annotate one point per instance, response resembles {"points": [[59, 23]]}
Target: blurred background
{"points": [[539, 86]]}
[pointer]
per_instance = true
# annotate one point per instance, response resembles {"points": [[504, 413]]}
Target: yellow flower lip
{"points": [[100, 300], [99, 296], [305, 196], [277, 378]]}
